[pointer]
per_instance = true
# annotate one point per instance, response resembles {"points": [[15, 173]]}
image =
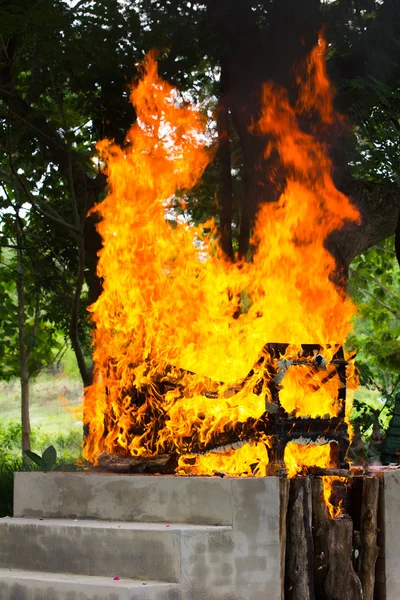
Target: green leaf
{"points": [[35, 458], [49, 457]]}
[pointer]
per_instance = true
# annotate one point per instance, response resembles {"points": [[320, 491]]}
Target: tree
{"points": [[63, 86], [29, 341]]}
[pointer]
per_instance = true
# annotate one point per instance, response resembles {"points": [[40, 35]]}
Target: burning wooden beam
{"points": [[164, 463]]}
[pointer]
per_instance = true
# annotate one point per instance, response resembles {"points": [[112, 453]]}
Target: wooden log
{"points": [[321, 472], [341, 583], [321, 526], [356, 550], [284, 488], [368, 534], [136, 464], [299, 543]]}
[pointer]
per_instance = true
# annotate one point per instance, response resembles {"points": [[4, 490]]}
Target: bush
{"points": [[68, 446], [8, 466], [68, 456], [11, 438]]}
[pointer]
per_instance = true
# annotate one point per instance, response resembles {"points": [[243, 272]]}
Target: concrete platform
{"points": [[186, 538], [31, 585], [213, 538]]}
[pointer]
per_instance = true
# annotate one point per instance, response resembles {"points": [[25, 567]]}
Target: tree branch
{"points": [[379, 206], [79, 221], [15, 179], [364, 291], [378, 283]]}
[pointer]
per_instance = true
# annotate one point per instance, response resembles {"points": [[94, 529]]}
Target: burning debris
{"points": [[179, 327]]}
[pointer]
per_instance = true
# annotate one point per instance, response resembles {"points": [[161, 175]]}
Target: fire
{"points": [[248, 460], [333, 511], [298, 457], [310, 393], [180, 331]]}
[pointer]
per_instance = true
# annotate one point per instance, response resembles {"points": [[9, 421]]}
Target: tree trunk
{"points": [[23, 351], [85, 372], [225, 195]]}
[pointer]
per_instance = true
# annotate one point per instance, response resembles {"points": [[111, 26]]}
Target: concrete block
{"points": [[131, 550], [30, 585]]}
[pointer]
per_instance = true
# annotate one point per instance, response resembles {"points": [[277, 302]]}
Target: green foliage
{"points": [[375, 286], [363, 60], [11, 438], [67, 446], [42, 339], [8, 466], [375, 155], [47, 461]]}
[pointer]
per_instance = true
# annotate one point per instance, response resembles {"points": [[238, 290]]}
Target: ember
{"points": [[181, 365]]}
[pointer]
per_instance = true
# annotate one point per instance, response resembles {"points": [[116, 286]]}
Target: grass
{"points": [[54, 407]]}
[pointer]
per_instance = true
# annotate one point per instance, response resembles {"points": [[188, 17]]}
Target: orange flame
{"points": [[248, 460], [179, 329], [298, 457], [333, 511]]}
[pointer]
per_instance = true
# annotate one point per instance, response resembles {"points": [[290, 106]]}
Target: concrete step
{"points": [[91, 495], [99, 548], [31, 585], [233, 553]]}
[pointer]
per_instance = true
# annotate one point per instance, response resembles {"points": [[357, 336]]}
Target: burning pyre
{"points": [[181, 361]]}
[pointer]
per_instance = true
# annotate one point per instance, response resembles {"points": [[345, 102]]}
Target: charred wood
{"points": [[321, 472], [165, 463]]}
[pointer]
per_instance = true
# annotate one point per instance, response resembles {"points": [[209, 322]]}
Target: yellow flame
{"points": [[298, 457], [333, 511], [248, 460]]}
